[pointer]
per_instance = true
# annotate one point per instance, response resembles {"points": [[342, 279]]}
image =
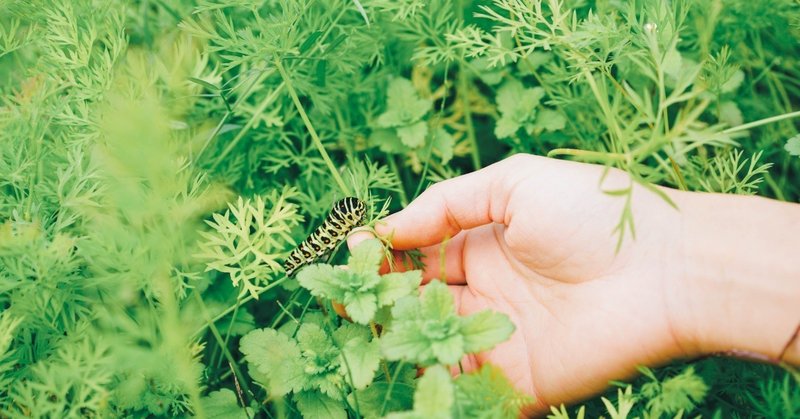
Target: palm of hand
{"points": [[584, 314], [533, 238]]}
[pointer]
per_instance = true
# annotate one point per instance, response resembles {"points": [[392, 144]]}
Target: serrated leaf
{"points": [[488, 393], [366, 257], [311, 337], [388, 141], [435, 394], [350, 331], [793, 145], [362, 360], [404, 106], [506, 127], [361, 307], [485, 329], [550, 120], [436, 301], [318, 405], [277, 357], [413, 136], [404, 342], [223, 404], [320, 280], [449, 350], [396, 285]]}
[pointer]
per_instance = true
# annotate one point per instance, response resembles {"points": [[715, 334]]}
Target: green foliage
{"points": [[360, 288], [158, 160], [249, 238], [673, 395], [426, 330]]}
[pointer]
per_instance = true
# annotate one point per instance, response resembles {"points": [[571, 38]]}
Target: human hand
{"points": [[534, 238]]}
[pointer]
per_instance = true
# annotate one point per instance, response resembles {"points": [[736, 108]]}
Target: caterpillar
{"points": [[347, 214]]}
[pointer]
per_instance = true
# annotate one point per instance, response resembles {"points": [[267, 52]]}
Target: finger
{"points": [[454, 205]]}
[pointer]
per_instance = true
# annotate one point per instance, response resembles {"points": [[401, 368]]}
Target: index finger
{"points": [[451, 206]]}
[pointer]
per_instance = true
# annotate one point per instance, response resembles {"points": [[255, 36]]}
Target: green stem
{"points": [[587, 154], [396, 170], [775, 188], [260, 110], [374, 329], [391, 381], [225, 350], [228, 310], [761, 122], [313, 132], [228, 334]]}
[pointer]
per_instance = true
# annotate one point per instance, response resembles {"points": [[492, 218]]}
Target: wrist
{"points": [[740, 280]]}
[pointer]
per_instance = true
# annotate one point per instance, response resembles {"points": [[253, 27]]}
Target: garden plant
{"points": [[160, 160]]}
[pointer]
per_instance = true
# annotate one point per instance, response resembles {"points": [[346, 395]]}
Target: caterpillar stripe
{"points": [[347, 214]]}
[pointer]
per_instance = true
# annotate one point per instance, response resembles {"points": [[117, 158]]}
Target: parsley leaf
{"points": [[427, 331], [222, 404], [793, 145], [433, 398], [360, 288]]}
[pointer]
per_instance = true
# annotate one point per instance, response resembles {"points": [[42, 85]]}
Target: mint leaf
{"points": [[317, 405], [402, 96], [485, 329], [277, 357], [223, 404], [321, 361], [366, 257]]}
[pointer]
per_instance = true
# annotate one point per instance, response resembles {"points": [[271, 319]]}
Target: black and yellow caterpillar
{"points": [[347, 214]]}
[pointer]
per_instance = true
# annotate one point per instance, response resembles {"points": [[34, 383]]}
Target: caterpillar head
{"points": [[353, 209]]}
